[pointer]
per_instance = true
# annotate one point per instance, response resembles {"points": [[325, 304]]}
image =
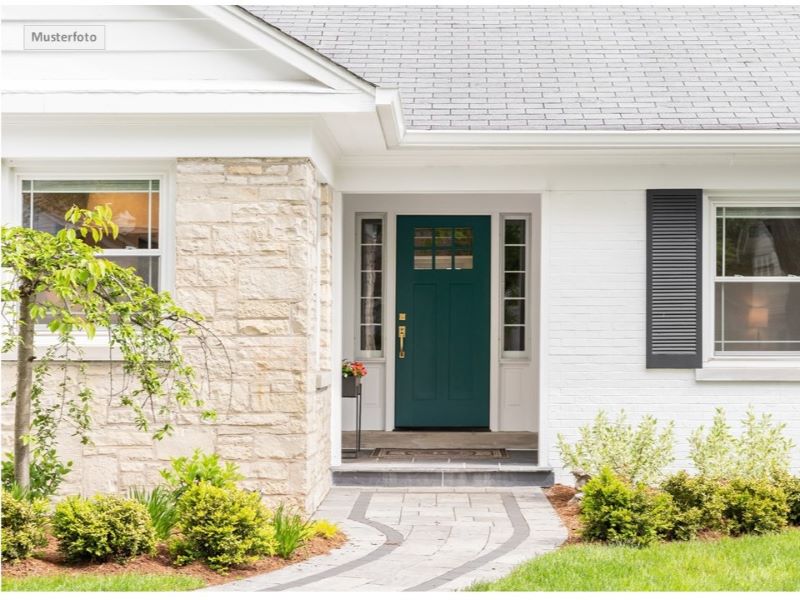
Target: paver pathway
{"points": [[421, 539]]}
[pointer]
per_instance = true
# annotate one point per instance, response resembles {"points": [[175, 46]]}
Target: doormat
{"points": [[439, 453]]}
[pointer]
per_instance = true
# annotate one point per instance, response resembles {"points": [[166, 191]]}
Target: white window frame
{"points": [[359, 353], [16, 171], [515, 354], [749, 366]]}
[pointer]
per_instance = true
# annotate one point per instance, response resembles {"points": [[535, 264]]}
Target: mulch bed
{"points": [[48, 561], [559, 496]]}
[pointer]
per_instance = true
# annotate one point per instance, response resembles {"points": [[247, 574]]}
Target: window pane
{"points": [[515, 285], [463, 236], [463, 257], [371, 310], [371, 284], [514, 312], [761, 246], [515, 258], [423, 259], [371, 258], [134, 212], [444, 258], [372, 231], [423, 237], [514, 339], [757, 317], [515, 231], [371, 338], [146, 267], [444, 237]]}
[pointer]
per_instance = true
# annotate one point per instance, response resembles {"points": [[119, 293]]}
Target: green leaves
{"points": [[638, 455], [73, 291], [761, 451]]}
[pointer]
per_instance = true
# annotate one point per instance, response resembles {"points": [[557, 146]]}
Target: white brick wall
{"points": [[594, 292]]}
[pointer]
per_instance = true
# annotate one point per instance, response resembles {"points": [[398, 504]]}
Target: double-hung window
{"points": [[135, 206], [757, 278]]}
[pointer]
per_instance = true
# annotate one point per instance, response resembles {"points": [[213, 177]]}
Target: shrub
{"points": [[223, 526], [160, 504], [24, 524], [47, 473], [696, 498], [617, 512], [188, 470], [753, 506], [760, 452], [291, 530], [791, 487], [103, 528], [323, 528], [637, 455]]}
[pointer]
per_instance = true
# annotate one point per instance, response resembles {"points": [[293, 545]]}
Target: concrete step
{"points": [[444, 475]]}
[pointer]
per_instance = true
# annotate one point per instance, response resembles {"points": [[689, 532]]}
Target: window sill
{"points": [[94, 350], [749, 369]]}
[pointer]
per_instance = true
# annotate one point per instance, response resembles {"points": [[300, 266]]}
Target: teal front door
{"points": [[442, 322]]}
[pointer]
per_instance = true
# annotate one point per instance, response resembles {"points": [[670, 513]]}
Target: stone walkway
{"points": [[420, 539]]}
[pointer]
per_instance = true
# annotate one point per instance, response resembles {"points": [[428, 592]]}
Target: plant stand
{"points": [[351, 388]]}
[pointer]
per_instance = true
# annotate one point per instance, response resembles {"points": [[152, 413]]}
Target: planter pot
{"points": [[350, 386]]}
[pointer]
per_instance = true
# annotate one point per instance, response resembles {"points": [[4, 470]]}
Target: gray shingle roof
{"points": [[567, 67]]}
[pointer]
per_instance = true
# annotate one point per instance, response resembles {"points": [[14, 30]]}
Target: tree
{"points": [[58, 280]]}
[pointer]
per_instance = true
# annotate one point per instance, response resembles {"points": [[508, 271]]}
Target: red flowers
{"points": [[353, 369]]}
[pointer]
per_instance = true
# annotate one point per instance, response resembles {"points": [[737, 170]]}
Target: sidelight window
{"points": [[371, 269], [515, 285]]}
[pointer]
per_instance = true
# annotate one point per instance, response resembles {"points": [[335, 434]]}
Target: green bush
{"points": [[160, 504], [291, 530], [637, 455], [46, 472], [696, 498], [185, 471], [323, 528], [24, 526], [103, 528], [617, 512], [753, 506], [223, 526], [791, 487]]}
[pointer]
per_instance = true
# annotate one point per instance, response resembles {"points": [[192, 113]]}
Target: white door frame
{"points": [[493, 205]]}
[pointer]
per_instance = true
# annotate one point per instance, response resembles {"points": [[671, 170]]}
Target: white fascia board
{"points": [[390, 116], [253, 103], [286, 47], [586, 140]]}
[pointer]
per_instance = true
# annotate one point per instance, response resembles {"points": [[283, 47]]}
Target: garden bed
{"points": [[48, 562], [569, 513]]}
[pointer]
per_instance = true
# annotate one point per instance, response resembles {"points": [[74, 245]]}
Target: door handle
{"points": [[401, 333]]}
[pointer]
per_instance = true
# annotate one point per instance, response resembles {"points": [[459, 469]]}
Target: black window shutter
{"points": [[674, 279]]}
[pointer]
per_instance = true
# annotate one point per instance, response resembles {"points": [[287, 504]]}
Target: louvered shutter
{"points": [[674, 279]]}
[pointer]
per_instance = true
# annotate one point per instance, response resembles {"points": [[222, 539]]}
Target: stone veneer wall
{"points": [[253, 240]]}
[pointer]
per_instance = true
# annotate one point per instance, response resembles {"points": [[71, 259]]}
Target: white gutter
{"points": [[397, 137]]}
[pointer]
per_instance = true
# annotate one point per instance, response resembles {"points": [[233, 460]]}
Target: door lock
{"points": [[401, 333]]}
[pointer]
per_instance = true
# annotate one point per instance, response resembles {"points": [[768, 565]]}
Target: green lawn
{"points": [[128, 582], [751, 563]]}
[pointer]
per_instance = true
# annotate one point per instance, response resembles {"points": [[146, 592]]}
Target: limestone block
{"points": [[183, 442], [279, 446], [202, 212], [99, 474]]}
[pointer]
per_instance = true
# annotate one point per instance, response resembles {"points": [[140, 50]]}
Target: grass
{"points": [[750, 563], [128, 582]]}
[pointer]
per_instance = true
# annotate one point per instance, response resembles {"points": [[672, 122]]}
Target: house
{"points": [[514, 216]]}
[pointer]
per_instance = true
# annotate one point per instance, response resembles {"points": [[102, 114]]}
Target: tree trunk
{"points": [[22, 415]]}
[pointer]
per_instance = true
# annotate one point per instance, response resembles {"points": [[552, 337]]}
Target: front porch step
{"points": [[441, 475]]}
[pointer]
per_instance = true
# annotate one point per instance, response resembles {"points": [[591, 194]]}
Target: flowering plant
{"points": [[353, 369]]}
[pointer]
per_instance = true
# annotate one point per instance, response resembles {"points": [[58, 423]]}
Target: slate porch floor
{"points": [[421, 539]]}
